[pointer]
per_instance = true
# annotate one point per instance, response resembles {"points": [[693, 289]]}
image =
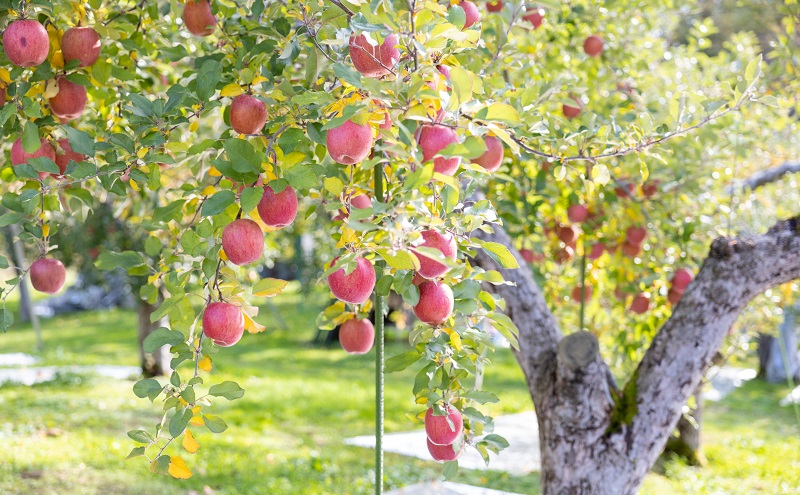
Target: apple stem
{"points": [[379, 357]]}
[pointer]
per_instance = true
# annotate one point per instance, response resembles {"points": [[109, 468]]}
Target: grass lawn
{"points": [[286, 434]]}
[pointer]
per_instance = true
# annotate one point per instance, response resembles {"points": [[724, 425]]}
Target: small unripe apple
{"points": [[443, 453], [26, 43], [243, 241], [357, 336], [198, 18], [572, 111], [631, 250], [81, 43], [472, 14], [535, 17], [593, 46], [433, 139], [577, 213], [349, 143], [47, 275], [435, 303], [62, 159], [587, 293], [248, 114], [681, 279], [494, 6], [446, 243], [492, 158], [596, 251], [373, 60], [640, 303], [223, 323], [18, 155], [635, 235], [70, 102], [356, 287], [439, 429], [278, 209]]}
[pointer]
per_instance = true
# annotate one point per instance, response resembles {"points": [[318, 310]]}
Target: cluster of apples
{"points": [[445, 434], [26, 44]]}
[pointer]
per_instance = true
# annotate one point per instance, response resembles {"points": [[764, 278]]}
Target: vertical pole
{"points": [[583, 285], [379, 351]]}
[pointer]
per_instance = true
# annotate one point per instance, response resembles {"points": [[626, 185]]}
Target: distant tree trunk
{"points": [[686, 442], [777, 356], [157, 363]]}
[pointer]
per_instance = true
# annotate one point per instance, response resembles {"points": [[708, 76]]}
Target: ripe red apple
{"points": [[443, 453], [564, 254], [492, 158], [26, 43], [626, 190], [635, 235], [81, 43], [596, 251], [593, 45], [70, 102], [674, 296], [433, 139], [439, 429], [682, 279], [18, 155], [587, 293], [640, 303], [620, 293], [62, 159], [446, 243], [471, 11], [435, 303], [631, 250], [360, 201], [572, 111], [527, 255], [357, 336], [198, 17], [278, 209], [223, 323], [649, 189], [356, 287], [577, 213], [567, 233], [371, 59], [535, 17], [243, 241], [494, 6], [248, 114], [47, 275], [349, 143]]}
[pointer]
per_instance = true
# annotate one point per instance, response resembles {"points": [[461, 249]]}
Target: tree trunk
{"points": [[596, 439], [157, 363], [778, 358], [686, 441]]}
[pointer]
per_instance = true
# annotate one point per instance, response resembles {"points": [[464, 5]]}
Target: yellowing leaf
{"points": [[231, 89], [251, 326], [189, 443], [213, 172], [45, 230], [258, 80], [209, 190], [205, 364], [178, 469], [134, 185], [50, 89], [5, 76], [268, 287], [455, 341], [142, 152], [334, 185], [194, 126], [292, 159]]}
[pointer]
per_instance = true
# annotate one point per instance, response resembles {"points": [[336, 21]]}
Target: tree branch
{"points": [[766, 176]]}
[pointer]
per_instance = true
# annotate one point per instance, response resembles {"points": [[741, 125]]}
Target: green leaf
{"points": [[501, 112], [753, 69], [250, 198], [179, 422], [215, 423], [30, 138], [481, 396], [109, 260], [140, 436], [162, 336], [500, 254], [450, 468], [495, 440], [148, 387], [229, 390], [136, 452], [348, 74], [217, 203], [268, 287], [6, 319], [461, 83], [243, 156], [79, 141], [207, 79], [6, 112], [402, 361]]}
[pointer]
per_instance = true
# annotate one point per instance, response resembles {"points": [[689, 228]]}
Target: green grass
{"points": [[286, 434]]}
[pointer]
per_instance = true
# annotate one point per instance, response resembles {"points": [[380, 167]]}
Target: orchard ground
{"points": [[286, 434]]}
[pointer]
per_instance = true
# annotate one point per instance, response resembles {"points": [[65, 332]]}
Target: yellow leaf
{"points": [[292, 159], [258, 80], [142, 152], [194, 125], [348, 236], [213, 172], [189, 443], [209, 190], [223, 255], [134, 185], [334, 185], [455, 340], [231, 89], [197, 420], [205, 364], [45, 230], [57, 60], [5, 76], [251, 326], [178, 469]]}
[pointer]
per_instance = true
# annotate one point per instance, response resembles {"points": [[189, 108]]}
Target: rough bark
{"points": [[595, 440], [157, 363], [767, 176]]}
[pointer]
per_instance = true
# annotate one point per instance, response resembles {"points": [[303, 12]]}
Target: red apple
{"points": [[223, 323], [349, 143], [18, 155], [593, 45], [649, 189], [435, 303], [62, 159], [674, 296], [81, 43], [356, 336], [527, 255], [47, 275], [248, 114], [535, 17], [631, 250], [640, 303], [278, 209], [198, 17], [243, 241], [472, 13], [360, 202], [596, 251], [564, 254], [371, 59], [433, 139], [625, 190], [445, 429], [356, 287], [492, 158], [26, 43], [70, 101], [443, 453], [635, 235], [572, 111], [567, 233], [620, 293], [681, 279], [587, 293], [494, 6], [446, 243], [577, 213]]}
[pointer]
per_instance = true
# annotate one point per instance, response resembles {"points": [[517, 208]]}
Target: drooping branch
{"points": [[735, 271], [766, 176]]}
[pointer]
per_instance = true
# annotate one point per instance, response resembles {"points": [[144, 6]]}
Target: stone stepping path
{"points": [[446, 488]]}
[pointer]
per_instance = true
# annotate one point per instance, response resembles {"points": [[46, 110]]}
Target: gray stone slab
{"points": [[39, 374], [18, 359], [446, 488], [521, 457], [724, 380]]}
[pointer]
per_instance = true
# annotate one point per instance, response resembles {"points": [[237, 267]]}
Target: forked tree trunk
{"points": [[157, 363], [596, 439]]}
